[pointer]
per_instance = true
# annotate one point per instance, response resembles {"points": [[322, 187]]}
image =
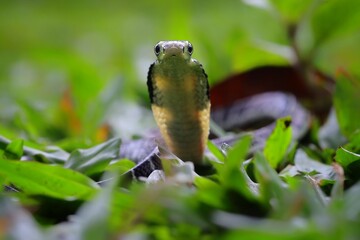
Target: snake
{"points": [[180, 101]]}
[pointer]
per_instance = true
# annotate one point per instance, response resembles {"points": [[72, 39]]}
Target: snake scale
{"points": [[179, 93]]}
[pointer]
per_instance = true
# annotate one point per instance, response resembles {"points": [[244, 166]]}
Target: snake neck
{"points": [[181, 107]]}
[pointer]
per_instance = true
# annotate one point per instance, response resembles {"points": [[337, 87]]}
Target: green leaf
{"points": [[209, 191], [54, 181], [121, 166], [347, 104], [291, 11], [237, 154], [345, 157], [278, 142], [55, 156], [270, 182], [325, 20], [93, 217], [215, 151], [14, 150], [97, 109], [349, 153], [232, 173], [95, 159], [305, 165]]}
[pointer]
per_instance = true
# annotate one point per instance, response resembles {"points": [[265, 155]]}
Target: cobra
{"points": [[179, 95]]}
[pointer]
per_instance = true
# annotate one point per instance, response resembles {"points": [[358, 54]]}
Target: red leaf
{"points": [[312, 93]]}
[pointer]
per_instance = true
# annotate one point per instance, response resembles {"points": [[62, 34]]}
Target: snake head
{"points": [[173, 49]]}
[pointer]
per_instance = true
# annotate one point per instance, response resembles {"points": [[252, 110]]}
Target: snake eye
{"points": [[190, 48], [157, 49]]}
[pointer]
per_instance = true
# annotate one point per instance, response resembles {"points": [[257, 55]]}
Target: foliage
{"points": [[71, 80]]}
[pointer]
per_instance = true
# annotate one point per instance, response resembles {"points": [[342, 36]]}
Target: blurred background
{"points": [[73, 73]]}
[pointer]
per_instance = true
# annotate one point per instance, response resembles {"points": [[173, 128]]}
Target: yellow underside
{"points": [[186, 141], [185, 128]]}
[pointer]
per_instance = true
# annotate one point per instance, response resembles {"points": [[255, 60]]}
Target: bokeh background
{"points": [[73, 73]]}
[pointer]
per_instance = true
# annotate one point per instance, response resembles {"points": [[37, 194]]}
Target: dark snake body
{"points": [[268, 106]]}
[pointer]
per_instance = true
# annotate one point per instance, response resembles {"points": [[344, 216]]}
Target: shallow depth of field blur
{"points": [[73, 75], [71, 69]]}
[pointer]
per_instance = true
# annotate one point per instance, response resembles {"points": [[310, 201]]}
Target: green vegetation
{"points": [[72, 84]]}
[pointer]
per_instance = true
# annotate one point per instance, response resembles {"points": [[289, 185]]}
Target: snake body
{"points": [[244, 112], [179, 95]]}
